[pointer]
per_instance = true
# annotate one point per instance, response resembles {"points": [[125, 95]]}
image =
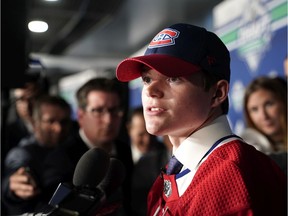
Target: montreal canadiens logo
{"points": [[164, 38], [167, 188]]}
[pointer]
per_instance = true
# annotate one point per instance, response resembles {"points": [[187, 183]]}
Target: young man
{"points": [[186, 74], [30, 179]]}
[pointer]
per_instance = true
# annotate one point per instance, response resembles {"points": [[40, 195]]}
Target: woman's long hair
{"points": [[278, 87]]}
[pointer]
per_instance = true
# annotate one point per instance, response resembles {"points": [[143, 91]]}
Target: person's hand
{"points": [[22, 184]]}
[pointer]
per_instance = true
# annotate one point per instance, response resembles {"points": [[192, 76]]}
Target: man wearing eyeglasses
{"points": [[100, 115], [99, 102], [29, 177]]}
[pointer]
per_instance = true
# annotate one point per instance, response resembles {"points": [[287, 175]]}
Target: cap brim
{"points": [[170, 66]]}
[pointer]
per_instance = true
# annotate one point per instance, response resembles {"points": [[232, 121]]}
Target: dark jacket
{"points": [[48, 166]]}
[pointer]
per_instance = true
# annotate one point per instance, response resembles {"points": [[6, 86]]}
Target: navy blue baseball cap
{"points": [[180, 50]]}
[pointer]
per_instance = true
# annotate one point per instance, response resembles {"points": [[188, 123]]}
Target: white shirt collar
{"points": [[91, 145], [85, 139], [191, 151], [136, 153]]}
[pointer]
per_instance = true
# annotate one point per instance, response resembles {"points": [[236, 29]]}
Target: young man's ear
{"points": [[221, 92]]}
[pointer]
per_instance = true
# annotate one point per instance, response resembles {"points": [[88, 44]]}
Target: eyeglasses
{"points": [[101, 111]]}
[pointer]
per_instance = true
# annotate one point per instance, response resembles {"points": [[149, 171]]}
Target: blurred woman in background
{"points": [[265, 110]]}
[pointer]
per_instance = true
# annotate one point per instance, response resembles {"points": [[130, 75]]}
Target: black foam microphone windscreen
{"points": [[91, 168], [111, 188], [114, 177], [96, 181]]}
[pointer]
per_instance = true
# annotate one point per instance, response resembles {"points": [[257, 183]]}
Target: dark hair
{"points": [[40, 82], [51, 100], [97, 84], [277, 86]]}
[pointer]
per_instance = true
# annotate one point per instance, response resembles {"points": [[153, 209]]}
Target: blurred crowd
{"points": [[41, 143]]}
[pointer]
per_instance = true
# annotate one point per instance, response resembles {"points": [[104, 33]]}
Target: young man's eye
{"points": [[146, 79], [173, 79]]}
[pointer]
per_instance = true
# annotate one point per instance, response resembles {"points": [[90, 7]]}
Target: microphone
{"points": [[111, 185], [96, 179], [82, 196], [91, 168], [114, 177]]}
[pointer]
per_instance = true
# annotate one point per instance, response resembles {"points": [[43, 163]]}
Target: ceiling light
{"points": [[38, 26]]}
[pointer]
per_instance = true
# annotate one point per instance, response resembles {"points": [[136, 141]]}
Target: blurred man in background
{"points": [[141, 141], [19, 121], [30, 178], [100, 112]]}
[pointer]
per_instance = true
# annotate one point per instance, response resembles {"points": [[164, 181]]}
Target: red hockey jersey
{"points": [[235, 179]]}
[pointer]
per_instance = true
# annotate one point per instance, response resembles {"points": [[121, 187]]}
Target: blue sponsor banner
{"points": [[255, 33]]}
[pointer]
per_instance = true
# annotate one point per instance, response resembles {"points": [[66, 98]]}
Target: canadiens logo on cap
{"points": [[164, 38]]}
